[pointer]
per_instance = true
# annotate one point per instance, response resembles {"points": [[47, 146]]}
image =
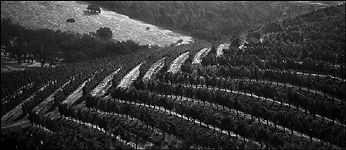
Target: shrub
{"points": [[70, 20]]}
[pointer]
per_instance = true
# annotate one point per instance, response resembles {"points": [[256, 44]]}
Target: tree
{"points": [[63, 109], [24, 109], [225, 124], [31, 117], [79, 115], [256, 35], [32, 47], [94, 8], [89, 101], [18, 48], [213, 48], [104, 33]]}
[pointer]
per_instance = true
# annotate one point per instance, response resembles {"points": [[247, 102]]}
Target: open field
{"points": [[53, 15]]}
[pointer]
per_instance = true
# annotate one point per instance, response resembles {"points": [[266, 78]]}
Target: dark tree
{"points": [[104, 33], [94, 8]]}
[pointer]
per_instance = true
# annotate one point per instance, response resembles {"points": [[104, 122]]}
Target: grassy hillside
{"points": [[53, 15]]}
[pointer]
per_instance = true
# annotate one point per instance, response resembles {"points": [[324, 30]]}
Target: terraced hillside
{"points": [[188, 96]]}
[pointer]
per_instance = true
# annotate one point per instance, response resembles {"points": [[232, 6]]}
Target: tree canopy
{"points": [[52, 46]]}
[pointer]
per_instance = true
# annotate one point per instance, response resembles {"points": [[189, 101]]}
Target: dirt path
{"points": [[263, 98], [104, 85], [16, 112], [200, 55], [176, 64], [219, 50], [156, 67], [130, 77], [76, 93]]}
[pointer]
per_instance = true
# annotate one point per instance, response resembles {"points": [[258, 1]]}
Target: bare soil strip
{"points": [[219, 51], [156, 67], [176, 64], [200, 55], [104, 85], [76, 94], [130, 77]]}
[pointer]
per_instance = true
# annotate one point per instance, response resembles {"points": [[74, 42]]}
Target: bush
{"points": [[70, 20], [104, 33]]}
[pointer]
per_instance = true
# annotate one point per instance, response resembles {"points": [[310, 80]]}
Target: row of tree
{"points": [[173, 124], [315, 103], [253, 106], [325, 84], [69, 134], [50, 46], [198, 112], [238, 58]]}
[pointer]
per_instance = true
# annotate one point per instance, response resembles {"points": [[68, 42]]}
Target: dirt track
{"points": [[176, 64], [129, 77], [105, 84], [200, 55], [157, 66], [219, 49]]}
